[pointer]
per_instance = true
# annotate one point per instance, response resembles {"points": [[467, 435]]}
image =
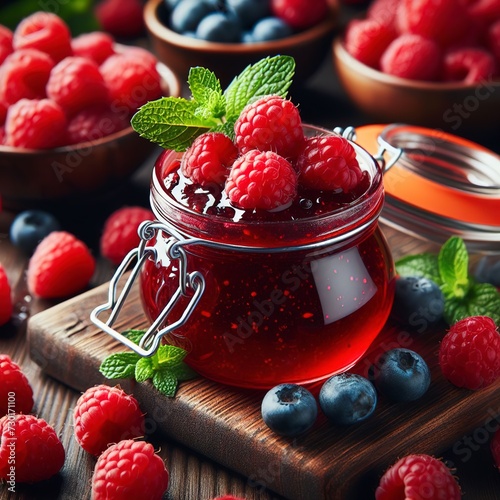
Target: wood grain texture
{"points": [[224, 424]]}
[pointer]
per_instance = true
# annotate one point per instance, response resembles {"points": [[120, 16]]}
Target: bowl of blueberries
{"points": [[228, 35]]}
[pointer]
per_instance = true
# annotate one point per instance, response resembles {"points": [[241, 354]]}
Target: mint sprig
{"points": [[165, 368], [174, 122], [449, 269]]}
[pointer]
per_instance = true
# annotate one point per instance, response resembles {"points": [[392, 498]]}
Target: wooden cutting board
{"points": [[225, 425]]}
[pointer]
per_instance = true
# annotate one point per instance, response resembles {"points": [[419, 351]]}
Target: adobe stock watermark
{"points": [[464, 448], [10, 436], [462, 111]]}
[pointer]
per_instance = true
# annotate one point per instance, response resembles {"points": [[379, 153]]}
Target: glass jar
{"points": [[278, 298]]}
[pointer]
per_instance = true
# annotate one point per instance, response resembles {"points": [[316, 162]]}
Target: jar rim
{"points": [[336, 224]]}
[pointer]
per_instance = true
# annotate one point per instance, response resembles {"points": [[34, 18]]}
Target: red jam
{"points": [[290, 296]]}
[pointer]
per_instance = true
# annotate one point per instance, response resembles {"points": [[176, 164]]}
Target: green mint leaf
{"points": [[166, 382], [207, 92], [134, 335], [183, 372], [171, 122], [453, 261], [482, 299], [144, 369], [169, 355], [424, 265], [119, 365], [269, 76]]}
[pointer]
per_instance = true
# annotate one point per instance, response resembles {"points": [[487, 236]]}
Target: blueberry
{"points": [[270, 28], [219, 27], [30, 227], [347, 398], [187, 14], [401, 375], [418, 302], [289, 409], [488, 270], [249, 11]]}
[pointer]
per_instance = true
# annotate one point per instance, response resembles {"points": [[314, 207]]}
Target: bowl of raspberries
{"points": [[432, 63], [65, 108], [228, 35]]}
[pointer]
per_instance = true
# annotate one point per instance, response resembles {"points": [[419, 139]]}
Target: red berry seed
{"points": [[469, 354]]}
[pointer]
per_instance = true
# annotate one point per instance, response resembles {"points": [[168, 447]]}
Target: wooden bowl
{"points": [[309, 48], [73, 173], [386, 98]]}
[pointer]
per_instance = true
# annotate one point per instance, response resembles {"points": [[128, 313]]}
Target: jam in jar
{"points": [[294, 295]]}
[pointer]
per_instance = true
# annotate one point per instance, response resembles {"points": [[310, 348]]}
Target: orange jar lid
{"points": [[441, 185]]}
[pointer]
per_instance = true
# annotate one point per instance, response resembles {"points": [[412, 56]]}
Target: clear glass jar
{"points": [[285, 299]]}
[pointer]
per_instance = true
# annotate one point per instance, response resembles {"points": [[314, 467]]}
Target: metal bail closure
{"points": [[395, 153], [189, 284]]}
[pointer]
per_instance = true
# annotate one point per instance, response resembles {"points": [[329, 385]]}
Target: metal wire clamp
{"points": [[189, 284]]}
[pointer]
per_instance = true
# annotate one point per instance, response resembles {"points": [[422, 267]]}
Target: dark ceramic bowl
{"points": [[180, 52]]}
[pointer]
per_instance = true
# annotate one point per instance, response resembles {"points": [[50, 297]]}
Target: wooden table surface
{"points": [[194, 477]]}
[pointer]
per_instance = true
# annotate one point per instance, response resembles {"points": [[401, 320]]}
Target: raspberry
{"points": [[329, 163], [5, 298], [129, 470], [414, 57], [209, 158], [444, 21], [121, 18], [483, 12], [119, 234], [60, 266], [25, 74], [271, 123], [494, 42], [418, 476], [367, 39], [383, 11], [469, 354], [6, 37], [44, 31], [39, 453], [495, 448], [105, 415], [300, 14], [261, 179], [94, 123], [14, 381], [131, 81], [35, 124], [96, 46], [468, 65], [76, 83]]}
